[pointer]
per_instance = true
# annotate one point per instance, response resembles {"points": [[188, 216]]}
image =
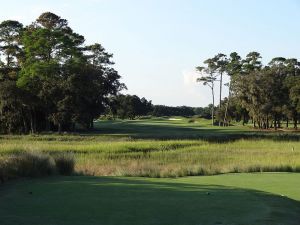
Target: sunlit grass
{"points": [[167, 158], [140, 148]]}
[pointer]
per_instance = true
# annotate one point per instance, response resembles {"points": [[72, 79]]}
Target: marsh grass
{"points": [[65, 163], [35, 164], [173, 158], [120, 148], [27, 164]]}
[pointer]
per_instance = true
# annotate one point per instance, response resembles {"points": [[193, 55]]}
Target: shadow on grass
{"points": [[114, 201], [165, 131]]}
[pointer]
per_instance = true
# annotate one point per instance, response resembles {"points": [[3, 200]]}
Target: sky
{"points": [[158, 43]]}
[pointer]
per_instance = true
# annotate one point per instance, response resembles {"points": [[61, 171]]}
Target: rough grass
{"points": [[120, 152], [34, 164]]}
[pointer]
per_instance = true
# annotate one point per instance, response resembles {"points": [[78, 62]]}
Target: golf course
{"points": [[117, 112], [139, 172]]}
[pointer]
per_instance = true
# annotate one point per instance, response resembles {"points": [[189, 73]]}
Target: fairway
{"points": [[268, 198], [169, 128]]}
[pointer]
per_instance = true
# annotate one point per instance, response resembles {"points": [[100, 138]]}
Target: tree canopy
{"points": [[50, 79], [266, 94]]}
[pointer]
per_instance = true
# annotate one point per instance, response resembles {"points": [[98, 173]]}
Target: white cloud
{"points": [[194, 90], [190, 77]]}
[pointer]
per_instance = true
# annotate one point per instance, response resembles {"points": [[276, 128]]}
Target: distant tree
{"points": [[10, 34], [209, 76], [12, 110], [221, 62], [130, 106], [162, 110], [233, 69], [203, 112]]}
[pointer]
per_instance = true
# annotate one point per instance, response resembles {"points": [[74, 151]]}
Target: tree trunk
{"points": [[227, 105], [47, 123], [213, 107], [92, 124], [220, 101], [31, 123], [59, 128], [24, 122]]}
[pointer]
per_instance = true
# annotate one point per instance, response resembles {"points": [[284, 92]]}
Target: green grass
{"points": [[140, 148], [235, 199], [166, 128]]}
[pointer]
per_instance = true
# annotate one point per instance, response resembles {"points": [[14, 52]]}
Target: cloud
{"points": [[193, 91], [190, 77], [197, 90]]}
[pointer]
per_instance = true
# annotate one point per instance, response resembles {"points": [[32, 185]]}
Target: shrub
{"points": [[65, 164]]}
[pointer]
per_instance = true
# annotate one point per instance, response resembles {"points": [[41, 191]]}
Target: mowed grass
{"points": [[141, 148], [232, 199]]}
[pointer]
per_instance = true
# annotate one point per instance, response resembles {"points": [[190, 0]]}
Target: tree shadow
{"points": [[110, 201], [164, 131]]}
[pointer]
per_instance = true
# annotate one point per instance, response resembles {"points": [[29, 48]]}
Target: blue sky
{"points": [[157, 43]]}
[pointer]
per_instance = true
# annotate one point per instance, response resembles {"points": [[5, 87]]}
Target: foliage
{"points": [[162, 110], [203, 112], [265, 94], [130, 106], [50, 79]]}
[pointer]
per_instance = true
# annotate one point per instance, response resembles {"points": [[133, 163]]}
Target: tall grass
{"points": [[34, 164], [65, 163], [153, 158]]}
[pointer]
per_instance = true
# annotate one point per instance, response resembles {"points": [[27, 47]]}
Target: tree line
{"points": [[265, 94], [50, 79], [131, 107]]}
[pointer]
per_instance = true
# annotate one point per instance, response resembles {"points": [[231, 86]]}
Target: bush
{"points": [[65, 164]]}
